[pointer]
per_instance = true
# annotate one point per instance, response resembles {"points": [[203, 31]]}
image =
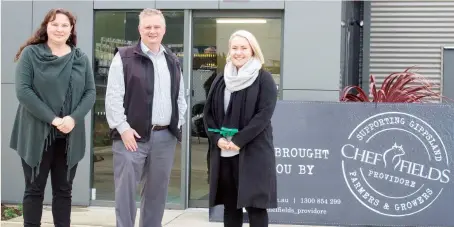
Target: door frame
{"points": [[190, 15], [111, 203]]}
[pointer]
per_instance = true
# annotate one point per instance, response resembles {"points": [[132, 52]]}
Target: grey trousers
{"points": [[150, 165]]}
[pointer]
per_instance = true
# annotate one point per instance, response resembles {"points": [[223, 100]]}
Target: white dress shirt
{"points": [[162, 103]]}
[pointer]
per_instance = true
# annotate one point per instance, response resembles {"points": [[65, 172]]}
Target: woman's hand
{"points": [[67, 125], [233, 146], [226, 145], [57, 121], [223, 144]]}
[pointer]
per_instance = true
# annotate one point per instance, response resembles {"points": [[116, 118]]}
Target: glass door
{"points": [[209, 50], [113, 29]]}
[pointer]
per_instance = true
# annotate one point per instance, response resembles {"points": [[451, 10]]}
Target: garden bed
{"points": [[9, 212]]}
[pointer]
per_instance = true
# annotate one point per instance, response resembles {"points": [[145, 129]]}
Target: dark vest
{"points": [[138, 72]]}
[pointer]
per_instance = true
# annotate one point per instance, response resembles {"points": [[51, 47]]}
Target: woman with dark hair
{"points": [[55, 88]]}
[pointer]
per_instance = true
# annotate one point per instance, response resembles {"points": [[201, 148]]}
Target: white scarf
{"points": [[237, 80]]}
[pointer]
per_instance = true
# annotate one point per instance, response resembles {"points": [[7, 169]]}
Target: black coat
{"points": [[257, 165]]}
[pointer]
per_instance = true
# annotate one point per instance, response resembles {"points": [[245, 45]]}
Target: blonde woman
{"points": [[237, 116]]}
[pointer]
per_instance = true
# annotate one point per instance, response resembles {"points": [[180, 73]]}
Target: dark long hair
{"points": [[40, 36]]}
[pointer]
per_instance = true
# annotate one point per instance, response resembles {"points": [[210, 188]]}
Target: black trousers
{"points": [[53, 161], [227, 193]]}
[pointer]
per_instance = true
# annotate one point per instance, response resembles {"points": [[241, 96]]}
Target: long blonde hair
{"points": [[256, 50]]}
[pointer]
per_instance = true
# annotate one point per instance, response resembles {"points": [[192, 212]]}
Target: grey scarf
{"points": [[236, 80]]}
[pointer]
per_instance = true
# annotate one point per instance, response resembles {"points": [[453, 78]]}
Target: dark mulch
{"points": [[9, 212]]}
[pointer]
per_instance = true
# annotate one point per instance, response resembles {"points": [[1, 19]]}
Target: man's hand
{"points": [[223, 144], [67, 125], [128, 139], [180, 135]]}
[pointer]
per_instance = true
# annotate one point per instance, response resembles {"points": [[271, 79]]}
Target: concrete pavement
{"points": [[105, 217]]}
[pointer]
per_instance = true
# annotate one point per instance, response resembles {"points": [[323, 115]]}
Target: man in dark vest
{"points": [[145, 107]]}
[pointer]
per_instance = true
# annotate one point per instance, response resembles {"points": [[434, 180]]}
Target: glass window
{"points": [[210, 46], [113, 29]]}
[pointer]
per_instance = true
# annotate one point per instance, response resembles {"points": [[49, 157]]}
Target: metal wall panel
{"points": [[404, 34], [312, 46], [448, 73], [15, 14], [184, 4], [12, 174], [311, 95], [123, 4], [251, 4], [16, 28]]}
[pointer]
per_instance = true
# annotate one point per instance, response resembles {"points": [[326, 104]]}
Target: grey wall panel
{"points": [[83, 10], [185, 4], [123, 4], [15, 14], [311, 95], [312, 44], [251, 4], [12, 175], [448, 73]]}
